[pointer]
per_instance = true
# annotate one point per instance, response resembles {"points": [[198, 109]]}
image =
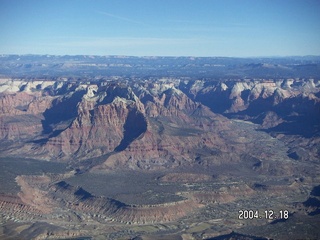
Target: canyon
{"points": [[159, 157]]}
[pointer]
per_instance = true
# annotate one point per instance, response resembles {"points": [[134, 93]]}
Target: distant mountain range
{"points": [[49, 66]]}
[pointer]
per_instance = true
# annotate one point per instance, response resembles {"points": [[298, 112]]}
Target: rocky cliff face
{"points": [[251, 96], [288, 109], [151, 125]]}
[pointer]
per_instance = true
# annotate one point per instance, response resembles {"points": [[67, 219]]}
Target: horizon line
{"points": [[151, 56]]}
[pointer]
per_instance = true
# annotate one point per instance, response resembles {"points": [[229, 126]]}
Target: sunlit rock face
{"points": [[148, 124]]}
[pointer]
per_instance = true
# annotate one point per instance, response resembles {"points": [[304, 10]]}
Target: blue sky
{"points": [[238, 28]]}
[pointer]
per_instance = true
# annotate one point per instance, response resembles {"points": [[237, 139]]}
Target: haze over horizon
{"points": [[228, 28]]}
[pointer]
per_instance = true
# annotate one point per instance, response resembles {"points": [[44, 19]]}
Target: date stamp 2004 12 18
{"points": [[266, 214]]}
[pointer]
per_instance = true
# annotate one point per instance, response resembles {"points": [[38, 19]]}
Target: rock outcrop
{"points": [[150, 124]]}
